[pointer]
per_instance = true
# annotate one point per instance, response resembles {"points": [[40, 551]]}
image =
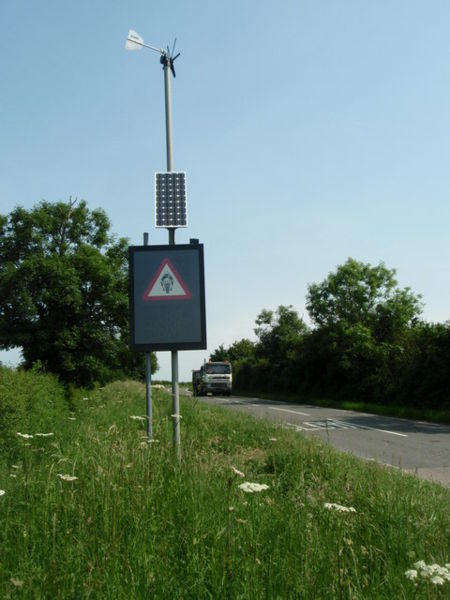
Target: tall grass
{"points": [[138, 523]]}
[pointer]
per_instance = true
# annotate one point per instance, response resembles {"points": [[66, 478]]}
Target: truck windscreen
{"points": [[218, 369]]}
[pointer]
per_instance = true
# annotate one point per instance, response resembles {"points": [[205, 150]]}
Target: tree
{"points": [[64, 292], [220, 354], [362, 319], [240, 350], [359, 294], [279, 333]]}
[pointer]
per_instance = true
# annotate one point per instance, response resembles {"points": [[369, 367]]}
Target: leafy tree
{"points": [[238, 351], [220, 354], [64, 292], [279, 332], [359, 294], [280, 335], [424, 378], [362, 318]]}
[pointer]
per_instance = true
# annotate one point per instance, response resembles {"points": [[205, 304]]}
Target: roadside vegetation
{"points": [[90, 508], [64, 303], [367, 348], [64, 293]]}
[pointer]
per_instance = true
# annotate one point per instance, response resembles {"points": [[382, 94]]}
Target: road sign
{"points": [[167, 297], [167, 285]]}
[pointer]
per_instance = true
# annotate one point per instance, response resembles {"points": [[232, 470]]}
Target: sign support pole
{"points": [[148, 379], [175, 387]]}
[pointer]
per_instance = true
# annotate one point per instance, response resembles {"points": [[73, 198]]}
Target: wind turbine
{"points": [[136, 42]]}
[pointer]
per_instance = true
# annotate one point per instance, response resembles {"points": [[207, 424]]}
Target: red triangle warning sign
{"points": [[167, 285]]}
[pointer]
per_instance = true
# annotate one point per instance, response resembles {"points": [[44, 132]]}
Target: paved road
{"points": [[414, 446]]}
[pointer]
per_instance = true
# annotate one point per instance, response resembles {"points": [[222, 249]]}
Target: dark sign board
{"points": [[167, 297]]}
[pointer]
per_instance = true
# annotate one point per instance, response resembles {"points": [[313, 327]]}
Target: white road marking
{"points": [[330, 424], [333, 423], [295, 412], [299, 428], [370, 428]]}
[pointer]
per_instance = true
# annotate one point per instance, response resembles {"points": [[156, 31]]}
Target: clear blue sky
{"points": [[310, 131]]}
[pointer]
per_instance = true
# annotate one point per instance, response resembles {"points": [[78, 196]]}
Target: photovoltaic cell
{"points": [[170, 200]]}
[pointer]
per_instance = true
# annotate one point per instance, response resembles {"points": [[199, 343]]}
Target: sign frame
{"points": [[195, 303]]}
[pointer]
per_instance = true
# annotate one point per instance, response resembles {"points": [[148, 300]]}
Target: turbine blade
{"points": [[134, 41]]}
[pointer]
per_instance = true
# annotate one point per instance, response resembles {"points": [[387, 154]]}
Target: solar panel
{"points": [[170, 200]]}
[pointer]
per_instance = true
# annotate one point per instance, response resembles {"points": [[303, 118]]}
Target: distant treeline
{"points": [[367, 343]]}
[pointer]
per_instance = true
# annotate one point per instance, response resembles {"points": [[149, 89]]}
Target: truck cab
{"points": [[215, 378]]}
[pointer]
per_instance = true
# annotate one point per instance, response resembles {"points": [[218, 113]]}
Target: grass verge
{"points": [[96, 511]]}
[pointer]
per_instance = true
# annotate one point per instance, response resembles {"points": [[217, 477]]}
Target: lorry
{"points": [[212, 378]]}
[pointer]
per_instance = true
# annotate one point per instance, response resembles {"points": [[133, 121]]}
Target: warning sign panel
{"points": [[167, 285], [167, 297]]}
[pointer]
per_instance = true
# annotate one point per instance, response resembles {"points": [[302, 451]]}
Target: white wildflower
{"points": [[411, 574], [438, 570], [427, 571], [25, 436], [339, 507], [138, 418], [249, 487], [44, 434], [434, 573], [237, 472], [2, 492], [177, 416], [66, 477], [272, 439], [72, 418]]}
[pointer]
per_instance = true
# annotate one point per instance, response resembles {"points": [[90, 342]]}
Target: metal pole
{"points": [[148, 393], [168, 113], [175, 387], [148, 379]]}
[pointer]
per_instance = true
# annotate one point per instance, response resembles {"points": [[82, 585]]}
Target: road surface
{"points": [[414, 446]]}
